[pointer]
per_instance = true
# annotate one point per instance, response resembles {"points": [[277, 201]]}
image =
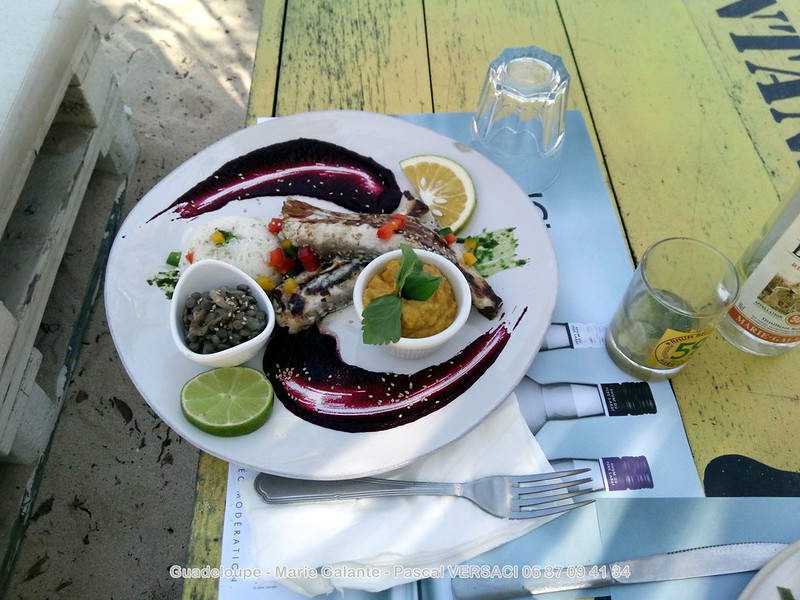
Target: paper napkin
{"points": [[373, 544]]}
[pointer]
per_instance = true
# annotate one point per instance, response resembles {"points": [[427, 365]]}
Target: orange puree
{"points": [[419, 318]]}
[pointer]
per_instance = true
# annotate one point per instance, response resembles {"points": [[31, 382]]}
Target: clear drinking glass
{"points": [[521, 113], [679, 292]]}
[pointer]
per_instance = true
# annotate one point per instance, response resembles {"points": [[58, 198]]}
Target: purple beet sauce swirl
{"points": [[313, 382], [304, 167]]}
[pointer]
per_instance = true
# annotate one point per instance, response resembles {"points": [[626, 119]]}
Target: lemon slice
{"points": [[445, 186], [228, 401]]}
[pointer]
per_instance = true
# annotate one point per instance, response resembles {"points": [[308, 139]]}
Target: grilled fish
{"points": [[318, 293], [352, 236]]}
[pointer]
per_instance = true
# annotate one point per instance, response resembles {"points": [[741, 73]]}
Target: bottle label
{"points": [[628, 398], [626, 473], [675, 347], [587, 335], [768, 306]]}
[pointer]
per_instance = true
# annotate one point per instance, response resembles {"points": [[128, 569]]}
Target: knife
{"points": [[469, 582]]}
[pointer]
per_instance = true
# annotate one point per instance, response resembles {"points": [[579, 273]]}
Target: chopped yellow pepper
{"points": [[470, 244], [286, 244], [265, 283], [290, 285], [469, 258], [218, 237]]}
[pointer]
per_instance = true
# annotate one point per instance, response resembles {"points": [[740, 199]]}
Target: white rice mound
{"points": [[248, 249]]}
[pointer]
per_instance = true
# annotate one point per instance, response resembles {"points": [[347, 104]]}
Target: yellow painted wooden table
{"points": [[694, 111]]}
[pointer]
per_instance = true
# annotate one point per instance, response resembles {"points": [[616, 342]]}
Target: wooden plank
{"points": [[29, 246], [87, 55], [205, 542], [84, 101], [36, 426], [34, 415], [756, 411], [354, 54], [8, 327], [670, 145], [754, 47], [36, 236], [41, 49], [464, 36], [683, 163], [90, 236], [267, 60], [34, 244]]}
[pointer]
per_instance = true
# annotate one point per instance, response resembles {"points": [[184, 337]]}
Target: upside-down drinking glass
{"points": [[521, 113]]}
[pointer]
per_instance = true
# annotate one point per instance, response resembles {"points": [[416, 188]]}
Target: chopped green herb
{"points": [[165, 281], [785, 593], [380, 322], [496, 251], [289, 251], [173, 259]]}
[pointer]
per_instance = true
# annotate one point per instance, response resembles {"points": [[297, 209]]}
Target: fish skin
{"points": [[333, 234], [301, 166]]}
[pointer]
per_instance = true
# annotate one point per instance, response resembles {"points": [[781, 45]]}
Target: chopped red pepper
{"points": [[400, 221], [447, 235], [275, 225], [307, 258], [396, 223], [190, 257], [386, 230], [280, 261]]}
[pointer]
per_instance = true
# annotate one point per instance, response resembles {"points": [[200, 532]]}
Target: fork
{"points": [[506, 496]]}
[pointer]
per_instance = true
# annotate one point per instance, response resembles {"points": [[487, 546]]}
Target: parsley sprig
{"points": [[785, 593], [380, 322]]}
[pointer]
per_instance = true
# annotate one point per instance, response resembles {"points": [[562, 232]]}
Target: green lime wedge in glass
{"points": [[227, 401]]}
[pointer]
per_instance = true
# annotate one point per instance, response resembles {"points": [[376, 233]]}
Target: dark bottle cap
{"points": [[630, 398], [627, 473]]}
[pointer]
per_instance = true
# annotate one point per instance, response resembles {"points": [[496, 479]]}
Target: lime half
{"points": [[228, 401], [445, 186]]}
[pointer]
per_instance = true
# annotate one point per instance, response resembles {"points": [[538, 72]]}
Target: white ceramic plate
{"points": [[782, 571], [138, 313]]}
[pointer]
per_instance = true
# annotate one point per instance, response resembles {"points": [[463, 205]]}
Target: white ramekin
{"points": [[419, 347], [203, 276]]}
